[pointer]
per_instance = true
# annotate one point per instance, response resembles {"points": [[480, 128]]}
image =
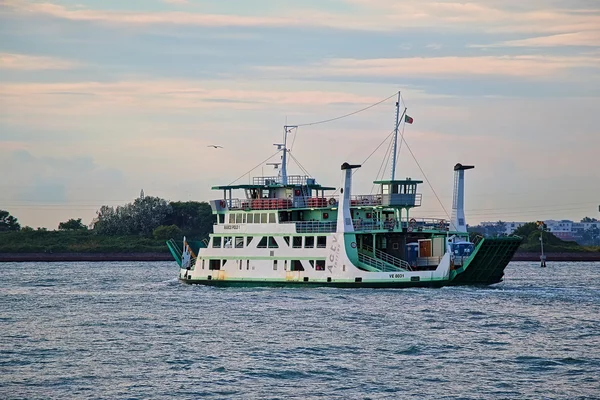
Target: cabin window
{"points": [[263, 243], [285, 265], [287, 240], [214, 264], [297, 265], [227, 242], [320, 265], [274, 265], [272, 243], [248, 264], [239, 242], [297, 242], [216, 242], [312, 263], [240, 264], [309, 242], [238, 218], [232, 218], [248, 240], [202, 263], [321, 242], [223, 263], [272, 219], [263, 218]]}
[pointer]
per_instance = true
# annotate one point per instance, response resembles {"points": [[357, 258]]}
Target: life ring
{"points": [[332, 202], [412, 221], [297, 192], [222, 203], [409, 229]]}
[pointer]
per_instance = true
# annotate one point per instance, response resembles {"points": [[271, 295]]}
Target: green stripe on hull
{"points": [[335, 284]]}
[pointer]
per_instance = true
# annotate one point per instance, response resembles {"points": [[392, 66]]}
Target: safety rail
{"points": [[313, 226], [419, 224], [380, 265], [388, 258], [299, 180]]}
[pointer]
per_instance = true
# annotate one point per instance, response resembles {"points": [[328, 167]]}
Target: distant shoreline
{"points": [[100, 257], [91, 257]]}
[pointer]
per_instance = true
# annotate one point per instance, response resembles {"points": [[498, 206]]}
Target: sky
{"points": [[103, 98]]}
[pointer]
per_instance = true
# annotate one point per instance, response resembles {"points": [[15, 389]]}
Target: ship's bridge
{"points": [[399, 193]]}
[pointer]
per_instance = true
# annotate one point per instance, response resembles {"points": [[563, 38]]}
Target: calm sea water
{"points": [[131, 330]]}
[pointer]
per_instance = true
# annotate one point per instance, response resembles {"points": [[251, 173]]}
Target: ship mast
{"points": [[286, 129], [398, 119]]}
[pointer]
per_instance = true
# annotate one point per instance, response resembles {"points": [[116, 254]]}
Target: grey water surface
{"points": [[132, 331]]}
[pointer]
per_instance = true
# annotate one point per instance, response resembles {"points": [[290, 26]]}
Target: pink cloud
{"points": [[519, 66], [32, 63]]}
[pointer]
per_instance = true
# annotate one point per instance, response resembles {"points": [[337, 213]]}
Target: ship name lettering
{"points": [[231, 227], [396, 275]]}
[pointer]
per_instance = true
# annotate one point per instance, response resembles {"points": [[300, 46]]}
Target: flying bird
{"points": [[215, 146]]}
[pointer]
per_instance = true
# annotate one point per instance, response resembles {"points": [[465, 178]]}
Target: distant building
{"points": [[564, 229]]}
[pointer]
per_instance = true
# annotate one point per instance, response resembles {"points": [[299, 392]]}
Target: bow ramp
{"points": [[490, 258]]}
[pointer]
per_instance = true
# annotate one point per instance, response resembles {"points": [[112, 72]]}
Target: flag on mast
{"points": [[408, 120]]}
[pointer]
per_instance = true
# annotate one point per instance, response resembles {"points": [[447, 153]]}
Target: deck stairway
{"points": [[381, 261], [489, 259]]}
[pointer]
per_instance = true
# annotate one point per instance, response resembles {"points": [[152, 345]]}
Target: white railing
{"points": [[398, 262], [373, 262], [313, 226]]}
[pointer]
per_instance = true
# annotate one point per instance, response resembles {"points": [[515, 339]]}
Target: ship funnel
{"points": [[458, 222], [344, 218]]}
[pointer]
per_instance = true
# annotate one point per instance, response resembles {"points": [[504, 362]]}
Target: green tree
{"points": [[138, 218], [193, 217], [26, 229], [8, 222], [72, 225], [165, 232]]}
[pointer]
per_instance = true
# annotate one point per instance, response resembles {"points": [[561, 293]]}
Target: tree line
{"points": [[146, 216]]}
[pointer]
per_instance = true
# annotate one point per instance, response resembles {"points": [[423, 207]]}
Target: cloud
{"points": [[32, 63], [176, 2], [512, 66], [585, 38]]}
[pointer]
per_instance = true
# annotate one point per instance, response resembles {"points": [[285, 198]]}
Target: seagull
{"points": [[215, 146]]}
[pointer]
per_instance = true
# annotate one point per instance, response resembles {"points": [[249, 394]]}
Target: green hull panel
{"points": [[488, 263], [299, 284]]}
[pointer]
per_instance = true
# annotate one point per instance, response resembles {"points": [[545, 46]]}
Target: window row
{"points": [[297, 242], [294, 265], [252, 218]]}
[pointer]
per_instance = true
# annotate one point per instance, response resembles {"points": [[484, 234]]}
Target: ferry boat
{"points": [[289, 230]]}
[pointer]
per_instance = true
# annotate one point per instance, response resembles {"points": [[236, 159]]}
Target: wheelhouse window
{"points": [[257, 218], [272, 218], [227, 242], [263, 218], [250, 218], [221, 218], [232, 218], [214, 264], [216, 242], [321, 242], [309, 242], [239, 218]]}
